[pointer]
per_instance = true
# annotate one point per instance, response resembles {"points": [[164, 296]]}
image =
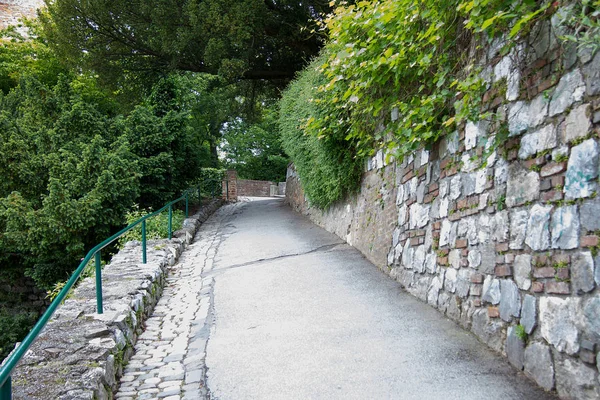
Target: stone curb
{"points": [[81, 354]]}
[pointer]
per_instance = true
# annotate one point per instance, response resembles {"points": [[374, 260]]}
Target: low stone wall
{"points": [[252, 188], [81, 354], [502, 240]]}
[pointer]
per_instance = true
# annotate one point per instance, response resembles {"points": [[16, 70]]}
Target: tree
{"points": [[169, 151], [68, 177], [20, 56], [255, 149], [253, 39], [211, 101]]}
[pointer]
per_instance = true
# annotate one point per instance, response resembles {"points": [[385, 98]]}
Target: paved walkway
{"points": [[266, 305]]}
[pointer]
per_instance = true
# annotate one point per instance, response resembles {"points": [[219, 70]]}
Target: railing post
{"points": [[144, 242], [170, 221], [99, 307], [6, 390], [187, 203], [227, 189], [200, 194]]}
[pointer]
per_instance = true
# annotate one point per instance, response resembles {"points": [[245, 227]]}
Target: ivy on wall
{"points": [[328, 165], [399, 74]]}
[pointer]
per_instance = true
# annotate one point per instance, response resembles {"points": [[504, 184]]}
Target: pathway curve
{"points": [[266, 305]]}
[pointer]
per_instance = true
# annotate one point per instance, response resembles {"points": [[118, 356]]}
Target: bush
{"points": [[211, 182], [68, 179], [327, 165], [156, 227], [14, 328]]}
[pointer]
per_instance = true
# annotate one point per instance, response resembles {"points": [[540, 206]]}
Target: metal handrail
{"points": [[11, 361]]}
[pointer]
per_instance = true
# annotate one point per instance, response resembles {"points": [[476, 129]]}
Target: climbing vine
{"points": [[582, 20], [402, 68], [399, 74]]}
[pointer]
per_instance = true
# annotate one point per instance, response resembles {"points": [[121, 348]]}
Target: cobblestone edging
{"points": [[169, 357], [81, 354], [505, 241]]}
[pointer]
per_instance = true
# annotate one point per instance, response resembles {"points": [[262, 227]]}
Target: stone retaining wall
{"points": [[503, 241], [81, 354]]}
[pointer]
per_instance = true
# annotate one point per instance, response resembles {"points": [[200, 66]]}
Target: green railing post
{"points": [[6, 390], [187, 204], [144, 242], [99, 307], [170, 221], [199, 195]]}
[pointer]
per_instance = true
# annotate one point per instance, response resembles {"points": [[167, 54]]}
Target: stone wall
{"points": [[503, 240], [249, 187], [281, 189], [80, 354], [13, 10]]}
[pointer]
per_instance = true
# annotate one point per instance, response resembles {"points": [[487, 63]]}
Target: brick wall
{"points": [[248, 187], [503, 241]]}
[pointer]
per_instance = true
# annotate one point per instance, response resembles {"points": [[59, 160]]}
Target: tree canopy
{"points": [[254, 150], [74, 160], [251, 39]]}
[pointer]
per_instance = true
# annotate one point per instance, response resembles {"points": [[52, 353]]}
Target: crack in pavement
{"points": [[324, 248]]}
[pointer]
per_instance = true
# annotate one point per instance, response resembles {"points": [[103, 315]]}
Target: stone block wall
{"points": [[502, 239], [281, 189], [80, 354]]}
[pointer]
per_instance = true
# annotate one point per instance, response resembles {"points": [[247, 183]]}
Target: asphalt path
{"points": [[298, 314]]}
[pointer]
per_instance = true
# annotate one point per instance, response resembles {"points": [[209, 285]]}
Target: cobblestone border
{"points": [[169, 357], [81, 354]]}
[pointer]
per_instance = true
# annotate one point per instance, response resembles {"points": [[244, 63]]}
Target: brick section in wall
{"points": [[252, 188], [502, 240], [230, 190]]}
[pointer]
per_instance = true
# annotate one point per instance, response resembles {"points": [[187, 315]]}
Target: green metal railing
{"points": [[12, 360]]}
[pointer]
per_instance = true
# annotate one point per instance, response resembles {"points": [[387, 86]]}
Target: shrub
{"points": [[14, 328], [156, 227], [327, 164]]}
